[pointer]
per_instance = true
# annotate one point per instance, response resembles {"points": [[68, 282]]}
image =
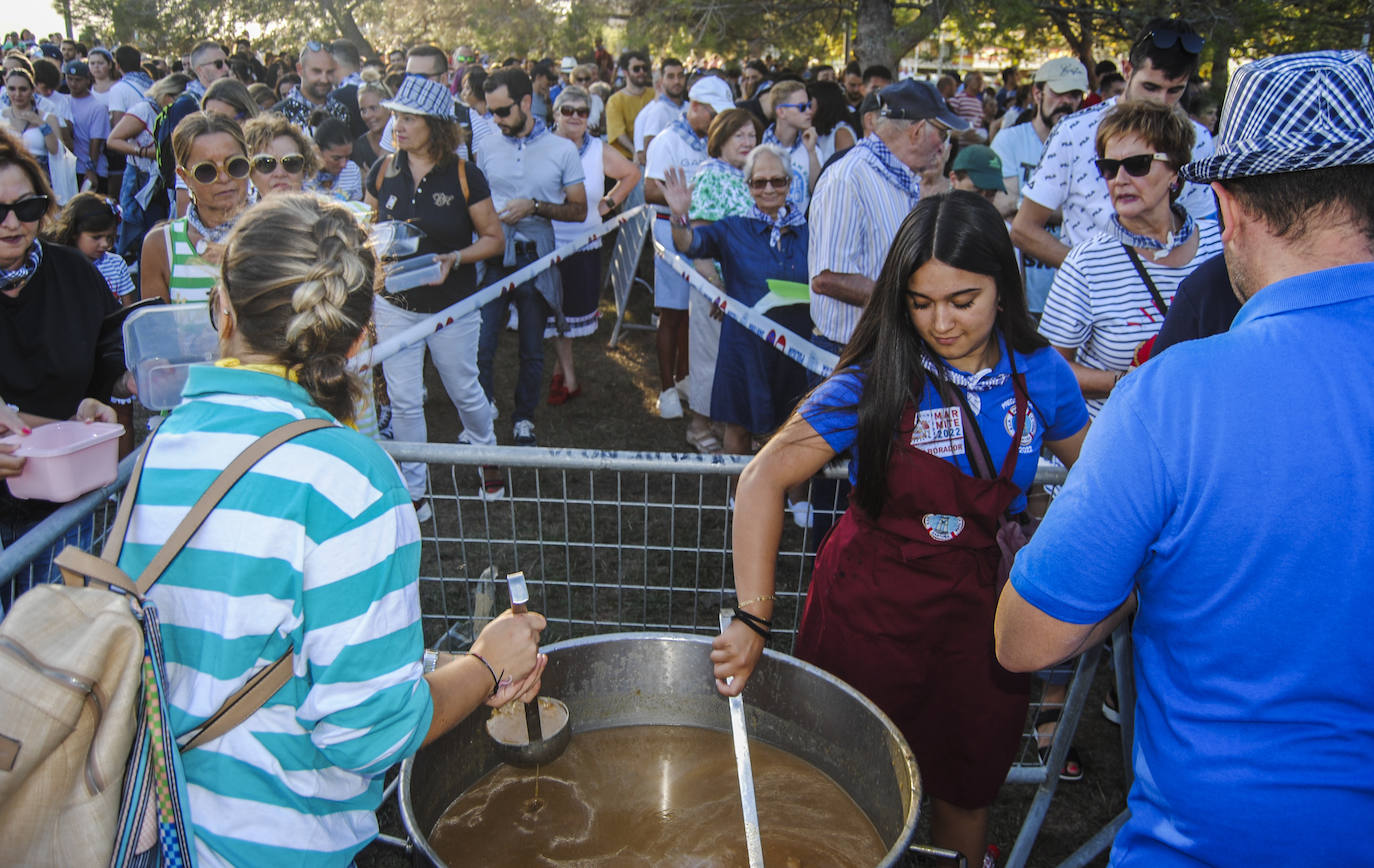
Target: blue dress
{"points": [[755, 385]]}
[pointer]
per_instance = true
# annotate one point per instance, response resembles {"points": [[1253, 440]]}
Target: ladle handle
{"points": [[519, 596]]}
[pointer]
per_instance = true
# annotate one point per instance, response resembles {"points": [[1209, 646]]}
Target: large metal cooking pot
{"points": [[626, 679]]}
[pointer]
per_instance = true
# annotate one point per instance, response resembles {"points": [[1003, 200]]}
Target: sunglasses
{"points": [[235, 167], [1137, 166], [27, 210], [503, 111], [775, 183], [799, 106], [582, 79], [1168, 38], [266, 164], [568, 111], [312, 46], [464, 59], [217, 64], [639, 68]]}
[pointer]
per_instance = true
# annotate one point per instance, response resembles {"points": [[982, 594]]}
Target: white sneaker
{"points": [[495, 413], [682, 386], [669, 404], [524, 433], [513, 324], [423, 511]]}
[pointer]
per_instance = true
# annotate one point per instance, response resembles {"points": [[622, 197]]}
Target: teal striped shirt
{"points": [[316, 549]]}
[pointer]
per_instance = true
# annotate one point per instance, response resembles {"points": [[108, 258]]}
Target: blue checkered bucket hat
{"points": [[1293, 113], [420, 96]]}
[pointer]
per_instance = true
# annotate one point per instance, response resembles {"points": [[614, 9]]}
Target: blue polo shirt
{"points": [[1231, 483]]}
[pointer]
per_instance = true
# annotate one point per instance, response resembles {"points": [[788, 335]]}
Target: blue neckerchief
{"points": [[352, 78], [894, 169], [981, 381], [585, 143], [10, 278], [1161, 248], [138, 80], [669, 103], [689, 135], [770, 137], [716, 164], [536, 131], [195, 89], [786, 216], [297, 97]]}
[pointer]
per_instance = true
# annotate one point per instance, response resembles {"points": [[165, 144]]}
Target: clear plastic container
{"points": [[393, 239], [161, 343], [413, 272], [64, 460]]}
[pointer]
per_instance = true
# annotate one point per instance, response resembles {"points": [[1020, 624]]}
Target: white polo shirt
{"points": [[1067, 179], [668, 149], [654, 119]]}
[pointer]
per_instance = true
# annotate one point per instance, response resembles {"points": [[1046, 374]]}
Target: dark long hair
{"points": [[962, 230]]}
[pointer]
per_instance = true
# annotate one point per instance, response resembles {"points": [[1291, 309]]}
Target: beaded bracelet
{"points": [[762, 599]]}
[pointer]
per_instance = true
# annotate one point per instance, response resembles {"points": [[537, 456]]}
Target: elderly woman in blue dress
{"points": [[755, 386]]}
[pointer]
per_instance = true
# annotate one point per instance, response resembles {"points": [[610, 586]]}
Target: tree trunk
{"points": [[1221, 62], [1080, 40], [878, 39], [342, 16]]}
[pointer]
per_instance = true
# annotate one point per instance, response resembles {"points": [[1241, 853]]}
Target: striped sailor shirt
{"points": [[855, 212], [1099, 306], [317, 550]]}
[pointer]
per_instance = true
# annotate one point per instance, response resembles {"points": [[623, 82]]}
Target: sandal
{"points": [[1073, 765], [704, 441]]}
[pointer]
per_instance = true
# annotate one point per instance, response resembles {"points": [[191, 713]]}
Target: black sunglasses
{"points": [[27, 210], [503, 111], [266, 164], [568, 111], [1137, 165], [217, 64], [236, 167], [313, 46], [639, 68], [1166, 37]]}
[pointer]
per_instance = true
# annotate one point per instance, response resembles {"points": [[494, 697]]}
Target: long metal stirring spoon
{"points": [[744, 768]]}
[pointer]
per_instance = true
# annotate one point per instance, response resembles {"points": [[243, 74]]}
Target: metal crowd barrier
{"points": [[608, 541]]}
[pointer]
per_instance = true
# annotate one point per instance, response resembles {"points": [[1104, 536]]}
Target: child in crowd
{"points": [[90, 223]]}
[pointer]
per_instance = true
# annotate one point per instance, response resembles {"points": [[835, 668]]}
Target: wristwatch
{"points": [[429, 661]]}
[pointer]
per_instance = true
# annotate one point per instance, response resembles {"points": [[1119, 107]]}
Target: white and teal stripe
{"points": [[316, 549]]}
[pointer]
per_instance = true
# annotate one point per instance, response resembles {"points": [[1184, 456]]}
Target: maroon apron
{"points": [[901, 607]]}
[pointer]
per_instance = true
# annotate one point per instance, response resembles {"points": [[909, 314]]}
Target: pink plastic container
{"points": [[65, 460]]}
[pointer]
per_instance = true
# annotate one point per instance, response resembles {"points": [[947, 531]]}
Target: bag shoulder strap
{"points": [[241, 705], [216, 492], [463, 178], [1149, 284]]}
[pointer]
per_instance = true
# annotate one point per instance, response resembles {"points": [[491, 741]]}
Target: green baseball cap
{"points": [[983, 166]]}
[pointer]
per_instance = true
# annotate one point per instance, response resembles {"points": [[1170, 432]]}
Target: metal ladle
{"points": [[546, 731], [744, 768]]}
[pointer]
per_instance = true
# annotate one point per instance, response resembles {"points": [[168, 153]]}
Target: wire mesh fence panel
{"points": [[608, 542]]}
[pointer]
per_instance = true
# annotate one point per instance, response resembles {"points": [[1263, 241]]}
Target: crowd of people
{"points": [[991, 266]]}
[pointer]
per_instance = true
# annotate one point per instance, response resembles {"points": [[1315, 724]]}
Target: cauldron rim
{"points": [[419, 839]]}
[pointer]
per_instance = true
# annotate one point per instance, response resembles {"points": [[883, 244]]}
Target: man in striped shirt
{"points": [[861, 200]]}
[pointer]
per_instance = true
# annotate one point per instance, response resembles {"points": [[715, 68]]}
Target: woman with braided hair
{"points": [[314, 551]]}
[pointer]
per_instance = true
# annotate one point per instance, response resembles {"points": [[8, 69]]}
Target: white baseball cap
{"points": [[713, 91], [1062, 75]]}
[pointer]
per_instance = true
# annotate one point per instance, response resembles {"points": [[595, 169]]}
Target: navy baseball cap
{"points": [[914, 100], [77, 68]]}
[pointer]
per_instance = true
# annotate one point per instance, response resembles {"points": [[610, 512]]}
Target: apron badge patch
{"points": [[943, 528]]}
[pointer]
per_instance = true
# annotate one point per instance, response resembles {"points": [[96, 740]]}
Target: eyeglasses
{"points": [[503, 111], [27, 210], [942, 130], [799, 106], [266, 164], [568, 111], [235, 167], [639, 68], [582, 79], [1137, 166], [218, 63], [1166, 37], [775, 183]]}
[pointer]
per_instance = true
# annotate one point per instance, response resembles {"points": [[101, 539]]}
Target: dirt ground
{"points": [[617, 411]]}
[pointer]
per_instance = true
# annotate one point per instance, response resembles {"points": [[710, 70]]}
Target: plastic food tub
{"points": [[161, 343], [65, 460], [413, 272]]}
